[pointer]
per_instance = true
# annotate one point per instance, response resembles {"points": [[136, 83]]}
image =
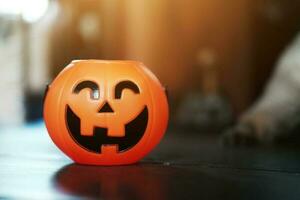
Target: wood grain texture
{"points": [[185, 165]]}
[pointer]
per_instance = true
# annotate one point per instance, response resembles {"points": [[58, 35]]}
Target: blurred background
{"points": [[214, 56]]}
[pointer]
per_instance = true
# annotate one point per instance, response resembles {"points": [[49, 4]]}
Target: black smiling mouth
{"points": [[134, 131]]}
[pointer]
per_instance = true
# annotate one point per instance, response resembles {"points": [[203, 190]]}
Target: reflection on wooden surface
{"points": [[123, 182], [184, 165]]}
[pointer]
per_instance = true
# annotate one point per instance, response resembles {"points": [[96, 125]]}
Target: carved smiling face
{"points": [[106, 112], [117, 119]]}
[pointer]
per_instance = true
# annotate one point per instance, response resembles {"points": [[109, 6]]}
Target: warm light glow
{"points": [[30, 10]]}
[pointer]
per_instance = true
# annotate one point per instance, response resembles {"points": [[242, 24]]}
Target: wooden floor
{"points": [[185, 165]]}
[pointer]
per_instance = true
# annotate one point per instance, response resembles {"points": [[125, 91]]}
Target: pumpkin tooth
{"points": [[86, 128], [107, 149], [116, 131]]}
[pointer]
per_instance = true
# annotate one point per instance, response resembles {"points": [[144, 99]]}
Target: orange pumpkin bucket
{"points": [[106, 112]]}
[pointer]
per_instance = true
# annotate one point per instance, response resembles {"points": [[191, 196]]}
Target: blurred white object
{"points": [[11, 97], [30, 10], [37, 68]]}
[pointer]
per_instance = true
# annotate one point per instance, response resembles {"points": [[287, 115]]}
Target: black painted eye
{"points": [[125, 85], [95, 92]]}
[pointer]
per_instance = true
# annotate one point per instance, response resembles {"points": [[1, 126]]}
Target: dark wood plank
{"points": [[185, 165]]}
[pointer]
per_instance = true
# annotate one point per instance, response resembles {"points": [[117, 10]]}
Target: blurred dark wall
{"points": [[240, 39]]}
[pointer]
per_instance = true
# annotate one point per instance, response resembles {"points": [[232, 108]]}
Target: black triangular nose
{"points": [[105, 108]]}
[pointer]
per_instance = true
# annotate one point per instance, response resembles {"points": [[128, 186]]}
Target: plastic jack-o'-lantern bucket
{"points": [[106, 112]]}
